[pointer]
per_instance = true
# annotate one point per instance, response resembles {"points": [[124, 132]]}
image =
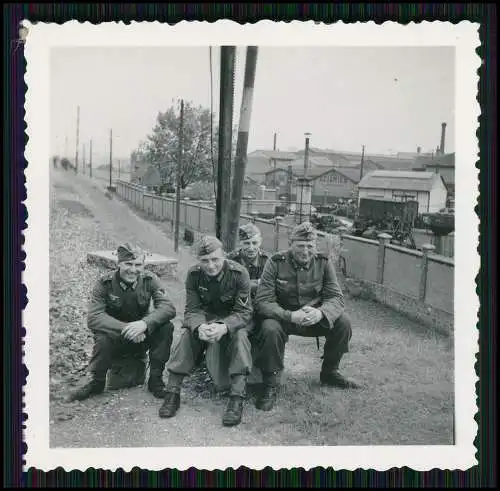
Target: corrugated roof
{"points": [[273, 154], [447, 160], [402, 180]]}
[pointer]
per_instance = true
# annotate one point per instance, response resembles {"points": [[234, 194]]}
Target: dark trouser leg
{"points": [[239, 352], [105, 348], [183, 359], [159, 343], [337, 343], [270, 341]]}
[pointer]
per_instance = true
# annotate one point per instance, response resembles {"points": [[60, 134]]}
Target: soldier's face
{"points": [[212, 263], [303, 250], [250, 247], [130, 270]]}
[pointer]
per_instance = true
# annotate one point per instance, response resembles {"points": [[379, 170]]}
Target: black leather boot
{"points": [[268, 398], [233, 412], [93, 387], [335, 379], [170, 405]]}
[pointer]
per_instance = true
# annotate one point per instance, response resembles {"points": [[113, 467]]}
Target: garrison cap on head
{"points": [[126, 252], [207, 245], [304, 231], [248, 231]]}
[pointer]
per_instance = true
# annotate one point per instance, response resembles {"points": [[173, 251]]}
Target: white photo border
{"points": [[41, 37]]}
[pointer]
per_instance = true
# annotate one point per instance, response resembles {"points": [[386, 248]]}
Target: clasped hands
{"points": [[307, 316], [135, 331], [212, 333]]}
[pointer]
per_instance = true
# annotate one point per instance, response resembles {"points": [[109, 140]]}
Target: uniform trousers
{"points": [[272, 336], [107, 348], [234, 345]]}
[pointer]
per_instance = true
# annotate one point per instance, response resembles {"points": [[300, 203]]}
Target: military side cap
{"points": [[126, 252], [304, 231], [207, 244], [248, 231]]}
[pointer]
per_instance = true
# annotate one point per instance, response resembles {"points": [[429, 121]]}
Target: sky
{"points": [[390, 99]]}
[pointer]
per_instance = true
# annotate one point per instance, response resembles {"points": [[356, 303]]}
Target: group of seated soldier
{"points": [[244, 305]]}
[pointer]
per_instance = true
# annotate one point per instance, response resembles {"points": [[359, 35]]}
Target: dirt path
{"points": [[407, 371]]}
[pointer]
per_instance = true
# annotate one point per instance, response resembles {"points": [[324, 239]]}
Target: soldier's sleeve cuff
{"points": [[287, 316]]}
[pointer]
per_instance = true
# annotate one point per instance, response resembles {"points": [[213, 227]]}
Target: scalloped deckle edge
{"points": [[42, 37]]}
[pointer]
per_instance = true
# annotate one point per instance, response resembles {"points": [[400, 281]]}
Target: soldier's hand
{"points": [[139, 339], [203, 332], [217, 331], [313, 316], [298, 317], [134, 329]]}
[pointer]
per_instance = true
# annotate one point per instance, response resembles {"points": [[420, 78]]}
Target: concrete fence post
{"points": [[383, 240], [249, 206], [199, 217], [185, 214], [426, 249], [254, 216], [277, 221]]}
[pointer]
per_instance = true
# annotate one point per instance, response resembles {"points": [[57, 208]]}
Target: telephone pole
{"points": [[110, 156], [90, 159], [178, 179], [77, 137], [362, 163], [227, 58], [274, 161], [83, 158], [241, 147]]}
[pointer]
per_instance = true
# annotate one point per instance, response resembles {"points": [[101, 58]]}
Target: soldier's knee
{"points": [[103, 342], [343, 324], [271, 329]]}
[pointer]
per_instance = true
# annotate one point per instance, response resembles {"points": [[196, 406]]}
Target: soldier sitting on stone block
{"points": [[218, 310], [119, 317], [299, 294], [250, 255]]}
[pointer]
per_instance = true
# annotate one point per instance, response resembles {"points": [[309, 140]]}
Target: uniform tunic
{"points": [[113, 304], [254, 268]]}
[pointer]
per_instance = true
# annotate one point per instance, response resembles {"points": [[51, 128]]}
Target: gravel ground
{"points": [[407, 371]]}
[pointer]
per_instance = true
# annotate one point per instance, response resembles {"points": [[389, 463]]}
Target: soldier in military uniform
{"points": [[250, 254], [299, 294], [118, 316], [218, 310]]}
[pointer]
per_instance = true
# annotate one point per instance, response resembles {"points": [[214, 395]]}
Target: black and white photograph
{"points": [[251, 245]]}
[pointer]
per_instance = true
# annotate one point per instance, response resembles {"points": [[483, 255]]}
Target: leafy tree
{"points": [[162, 146]]}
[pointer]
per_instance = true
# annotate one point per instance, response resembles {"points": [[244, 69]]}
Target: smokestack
{"points": [[419, 149], [443, 136]]}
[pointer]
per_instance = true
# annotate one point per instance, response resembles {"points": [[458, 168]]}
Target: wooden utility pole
{"points": [[83, 158], [119, 170], [362, 163], [90, 159], [110, 157], [274, 161], [228, 57], [178, 179], [241, 147], [77, 137]]}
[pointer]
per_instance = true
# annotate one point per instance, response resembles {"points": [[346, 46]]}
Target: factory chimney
{"points": [[443, 136]]}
